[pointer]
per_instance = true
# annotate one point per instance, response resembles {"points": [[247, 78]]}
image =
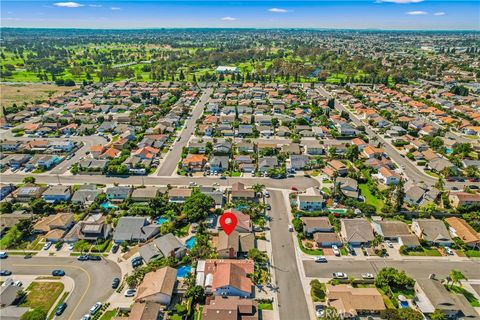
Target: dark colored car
{"points": [[61, 308], [94, 258], [115, 283], [5, 272], [137, 261], [83, 257], [58, 273], [115, 248]]}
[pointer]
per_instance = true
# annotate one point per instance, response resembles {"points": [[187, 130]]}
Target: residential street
{"points": [[301, 183], [168, 165], [416, 268], [292, 304], [93, 279], [411, 171]]}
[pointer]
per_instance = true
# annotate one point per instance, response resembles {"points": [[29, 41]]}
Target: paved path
{"points": [[416, 268], [301, 183], [93, 279], [169, 164], [291, 299]]}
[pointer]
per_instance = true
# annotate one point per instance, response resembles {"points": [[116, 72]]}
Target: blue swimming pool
{"points": [[404, 304], [160, 220], [448, 150], [190, 242], [107, 205], [183, 271]]}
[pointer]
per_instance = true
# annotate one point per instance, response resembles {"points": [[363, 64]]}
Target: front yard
{"points": [[430, 252], [42, 295]]}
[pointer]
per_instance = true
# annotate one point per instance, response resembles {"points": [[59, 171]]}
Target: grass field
{"points": [[370, 198], [43, 295], [19, 94], [108, 315]]}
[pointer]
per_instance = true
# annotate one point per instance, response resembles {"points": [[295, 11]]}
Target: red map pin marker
{"points": [[228, 222]]}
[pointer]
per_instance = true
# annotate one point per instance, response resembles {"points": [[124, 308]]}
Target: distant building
{"points": [[227, 69]]}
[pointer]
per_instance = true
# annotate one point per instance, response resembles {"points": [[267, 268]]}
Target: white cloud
{"points": [[68, 4], [95, 5], [278, 10], [400, 1], [116, 8], [229, 19], [439, 14], [417, 13]]}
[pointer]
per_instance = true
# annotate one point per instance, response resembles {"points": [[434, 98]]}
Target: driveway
{"points": [[93, 279]]}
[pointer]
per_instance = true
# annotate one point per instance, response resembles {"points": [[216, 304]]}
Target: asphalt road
{"points": [[93, 279], [301, 183], [418, 268], [411, 170], [169, 164], [291, 298]]}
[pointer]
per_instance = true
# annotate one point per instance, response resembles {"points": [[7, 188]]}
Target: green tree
{"points": [[456, 276], [438, 315], [352, 152], [195, 292], [393, 279], [29, 179], [258, 187], [198, 206], [399, 195]]}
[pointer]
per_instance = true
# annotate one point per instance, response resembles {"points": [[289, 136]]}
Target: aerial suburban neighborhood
{"points": [[165, 184]]}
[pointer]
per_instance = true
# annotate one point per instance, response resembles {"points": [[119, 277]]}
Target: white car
{"points": [[335, 250], [18, 283], [389, 243], [71, 246], [290, 228], [319, 310], [47, 245], [340, 275], [130, 292], [86, 317], [367, 276], [95, 308], [267, 194], [449, 251], [320, 259]]}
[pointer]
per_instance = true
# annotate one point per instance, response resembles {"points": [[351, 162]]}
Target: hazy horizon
{"points": [[442, 15]]}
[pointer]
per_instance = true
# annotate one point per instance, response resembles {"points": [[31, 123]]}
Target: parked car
{"points": [[115, 248], [58, 273], [269, 207], [83, 257], [367, 276], [18, 283], [335, 250], [95, 308], [340, 275], [267, 194], [71, 246], [3, 255], [319, 310], [137, 261], [321, 259], [94, 258], [86, 317], [5, 272], [389, 243], [47, 245], [449, 251], [130, 293], [61, 308], [290, 228], [115, 283]]}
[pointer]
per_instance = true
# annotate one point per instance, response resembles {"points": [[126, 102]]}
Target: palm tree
{"points": [[456, 276], [258, 187]]}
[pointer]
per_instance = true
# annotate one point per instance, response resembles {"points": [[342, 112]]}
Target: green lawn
{"points": [[309, 251], [432, 252], [370, 198], [317, 291], [265, 306], [472, 253], [108, 315], [42, 295]]}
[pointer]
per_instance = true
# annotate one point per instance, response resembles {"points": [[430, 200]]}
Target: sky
{"points": [[340, 14]]}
